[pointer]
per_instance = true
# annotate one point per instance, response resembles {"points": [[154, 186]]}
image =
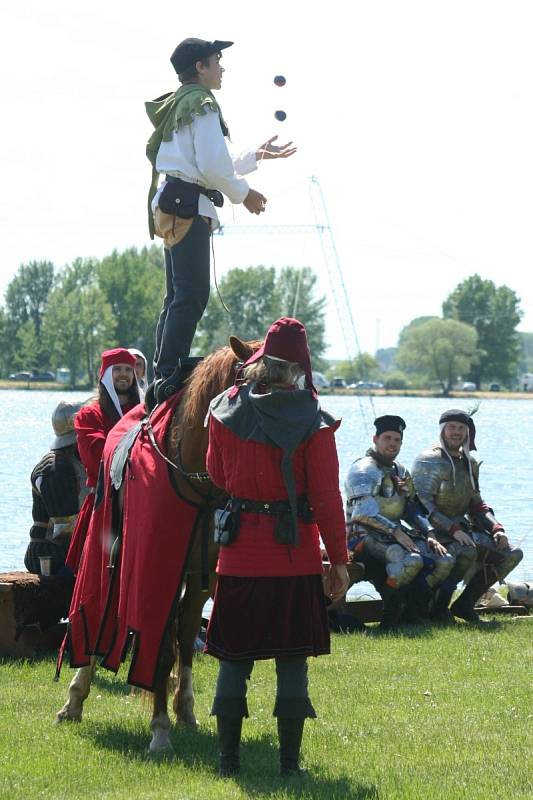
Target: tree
{"points": [[26, 298], [27, 293], [363, 368], [133, 283], [78, 323], [27, 348], [442, 348], [386, 358], [296, 288], [495, 313], [256, 296]]}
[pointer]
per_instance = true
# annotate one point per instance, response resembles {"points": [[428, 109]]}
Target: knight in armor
{"points": [[446, 478], [58, 490], [405, 564], [118, 393]]}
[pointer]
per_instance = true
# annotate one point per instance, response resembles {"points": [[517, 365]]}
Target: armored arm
{"points": [[428, 473], [479, 512], [482, 516]]}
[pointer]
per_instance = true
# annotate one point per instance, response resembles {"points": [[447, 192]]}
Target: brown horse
{"points": [[186, 448]]}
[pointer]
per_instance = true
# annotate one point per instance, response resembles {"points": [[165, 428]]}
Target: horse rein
{"points": [[195, 476]]}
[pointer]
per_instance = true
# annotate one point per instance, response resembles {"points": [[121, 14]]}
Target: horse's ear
{"points": [[242, 350]]}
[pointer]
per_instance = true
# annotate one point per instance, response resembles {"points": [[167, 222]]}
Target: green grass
{"points": [[428, 714]]}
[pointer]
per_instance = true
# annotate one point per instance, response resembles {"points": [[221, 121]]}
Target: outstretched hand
{"points": [[269, 150]]}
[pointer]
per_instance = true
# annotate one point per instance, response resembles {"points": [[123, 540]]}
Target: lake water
{"points": [[504, 438]]}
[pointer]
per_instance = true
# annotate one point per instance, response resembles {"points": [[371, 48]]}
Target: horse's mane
{"points": [[212, 375]]}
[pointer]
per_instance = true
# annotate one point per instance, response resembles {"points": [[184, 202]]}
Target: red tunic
{"points": [[92, 426], [250, 470]]}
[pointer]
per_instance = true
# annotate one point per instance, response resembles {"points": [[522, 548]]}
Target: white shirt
{"points": [[198, 153]]}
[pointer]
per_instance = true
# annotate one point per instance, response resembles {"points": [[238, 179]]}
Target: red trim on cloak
{"points": [[139, 594]]}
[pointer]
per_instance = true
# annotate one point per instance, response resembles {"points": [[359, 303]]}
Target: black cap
{"points": [[389, 422], [457, 415], [189, 51]]}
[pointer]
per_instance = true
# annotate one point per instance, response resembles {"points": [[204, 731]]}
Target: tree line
{"points": [[476, 339], [65, 318]]}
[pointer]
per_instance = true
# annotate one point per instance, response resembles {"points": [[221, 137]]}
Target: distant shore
{"points": [[481, 395]]}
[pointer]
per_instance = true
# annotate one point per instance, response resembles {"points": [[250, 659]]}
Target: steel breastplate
{"points": [[454, 500], [391, 504]]}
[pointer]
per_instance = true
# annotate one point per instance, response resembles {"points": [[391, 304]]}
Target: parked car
{"points": [[468, 386], [338, 383], [494, 387], [43, 376], [20, 376]]}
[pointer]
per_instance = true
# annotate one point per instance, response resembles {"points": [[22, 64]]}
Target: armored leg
{"points": [[503, 561]]}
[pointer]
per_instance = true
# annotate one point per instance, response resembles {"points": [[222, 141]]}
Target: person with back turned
{"points": [[272, 449]]}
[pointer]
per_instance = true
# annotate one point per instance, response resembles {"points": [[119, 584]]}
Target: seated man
{"points": [[379, 495], [58, 489], [446, 478]]}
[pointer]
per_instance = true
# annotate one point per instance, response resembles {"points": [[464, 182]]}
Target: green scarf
{"points": [[169, 113]]}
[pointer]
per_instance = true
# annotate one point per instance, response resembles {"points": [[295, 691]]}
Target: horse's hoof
{"points": [[187, 722], [166, 751], [66, 715]]}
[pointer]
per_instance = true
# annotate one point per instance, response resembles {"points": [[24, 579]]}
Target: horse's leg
{"points": [[189, 620], [78, 691], [160, 743]]}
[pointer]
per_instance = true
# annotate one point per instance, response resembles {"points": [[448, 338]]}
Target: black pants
{"points": [[187, 293]]}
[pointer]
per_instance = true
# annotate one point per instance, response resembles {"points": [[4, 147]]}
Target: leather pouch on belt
{"points": [[179, 198]]}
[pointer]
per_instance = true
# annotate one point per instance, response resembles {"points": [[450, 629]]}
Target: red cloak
{"points": [[138, 594]]}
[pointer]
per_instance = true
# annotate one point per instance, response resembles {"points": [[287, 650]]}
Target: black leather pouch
{"points": [[179, 198]]}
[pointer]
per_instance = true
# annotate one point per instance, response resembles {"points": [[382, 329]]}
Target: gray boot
{"points": [[229, 740], [290, 733]]}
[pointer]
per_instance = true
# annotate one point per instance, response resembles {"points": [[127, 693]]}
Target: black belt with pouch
{"points": [[180, 198], [227, 519]]}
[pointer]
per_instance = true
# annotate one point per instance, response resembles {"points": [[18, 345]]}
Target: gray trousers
{"points": [[187, 292], [292, 698]]}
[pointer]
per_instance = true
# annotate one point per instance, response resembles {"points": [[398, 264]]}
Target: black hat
{"points": [[389, 422], [189, 51], [457, 415]]}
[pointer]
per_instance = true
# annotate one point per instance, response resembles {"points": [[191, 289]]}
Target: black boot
{"points": [[290, 732], [149, 398], [166, 387], [441, 611], [464, 605], [229, 740], [393, 602], [418, 597]]}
